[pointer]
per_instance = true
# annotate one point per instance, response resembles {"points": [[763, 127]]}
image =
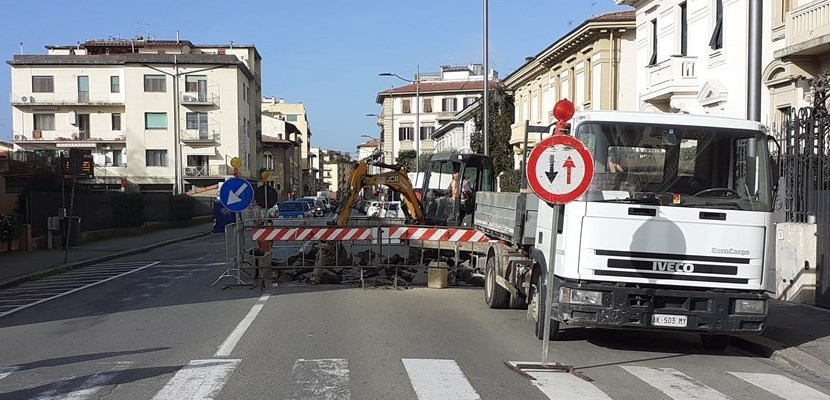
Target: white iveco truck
{"points": [[675, 231]]}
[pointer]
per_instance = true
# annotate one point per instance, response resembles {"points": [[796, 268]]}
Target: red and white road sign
{"points": [[560, 169], [444, 234], [303, 234]]}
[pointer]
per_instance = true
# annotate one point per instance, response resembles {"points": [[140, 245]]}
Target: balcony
{"points": [[207, 171], [73, 98], [675, 76], [808, 30], [206, 98], [208, 137], [69, 138]]}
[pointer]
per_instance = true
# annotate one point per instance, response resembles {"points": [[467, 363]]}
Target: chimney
{"points": [[529, 59]]}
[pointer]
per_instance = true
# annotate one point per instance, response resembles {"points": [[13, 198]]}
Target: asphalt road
{"points": [[162, 331]]}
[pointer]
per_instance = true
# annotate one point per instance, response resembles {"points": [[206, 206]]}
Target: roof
{"points": [[370, 143], [628, 15], [141, 43], [438, 87], [668, 119], [274, 140]]}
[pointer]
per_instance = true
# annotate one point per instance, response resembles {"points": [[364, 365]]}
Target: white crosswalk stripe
{"points": [[782, 386], [6, 371], [199, 379], [323, 379], [675, 384], [562, 385], [85, 388], [438, 380]]}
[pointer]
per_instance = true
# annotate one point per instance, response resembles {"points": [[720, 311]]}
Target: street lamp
{"points": [[417, 83]]}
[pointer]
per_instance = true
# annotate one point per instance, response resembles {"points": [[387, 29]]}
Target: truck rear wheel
{"points": [[540, 313], [494, 295]]}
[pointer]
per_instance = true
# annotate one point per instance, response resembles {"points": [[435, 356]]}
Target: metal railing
{"points": [[67, 98], [808, 21], [194, 171], [196, 135], [69, 135]]}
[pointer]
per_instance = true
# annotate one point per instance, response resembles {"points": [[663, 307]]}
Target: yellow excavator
{"points": [[433, 207]]}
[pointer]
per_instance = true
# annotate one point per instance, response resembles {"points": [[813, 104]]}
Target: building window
{"points": [[155, 120], [449, 104], [196, 120], [117, 158], [43, 84], [781, 12], [406, 133], [245, 92], [195, 83], [406, 107], [684, 30], [653, 59], [426, 131], [468, 101], [291, 117], [115, 84], [716, 42], [268, 161], [156, 158], [428, 105], [116, 121], [155, 83], [44, 122]]}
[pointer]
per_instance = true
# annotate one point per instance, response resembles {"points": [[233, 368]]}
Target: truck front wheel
{"points": [[494, 295], [540, 313]]}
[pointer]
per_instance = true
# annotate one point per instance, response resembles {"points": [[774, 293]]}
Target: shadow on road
{"points": [[54, 362]]}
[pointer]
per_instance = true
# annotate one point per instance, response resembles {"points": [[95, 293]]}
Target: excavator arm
{"points": [[396, 180]]}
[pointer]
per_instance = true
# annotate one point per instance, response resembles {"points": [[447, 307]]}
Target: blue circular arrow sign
{"points": [[236, 194]]}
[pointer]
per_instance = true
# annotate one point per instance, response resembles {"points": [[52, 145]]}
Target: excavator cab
{"points": [[475, 171]]}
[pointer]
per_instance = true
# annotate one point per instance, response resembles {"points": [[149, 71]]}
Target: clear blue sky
{"points": [[325, 54]]}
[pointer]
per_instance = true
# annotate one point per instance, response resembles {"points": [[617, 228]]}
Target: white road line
{"points": [[438, 380], [561, 385], [81, 390], [782, 386], [199, 379], [264, 297], [675, 384], [324, 379], [3, 314], [6, 371], [227, 346]]}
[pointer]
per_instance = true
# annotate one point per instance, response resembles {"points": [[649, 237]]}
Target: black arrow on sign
{"points": [[552, 173]]}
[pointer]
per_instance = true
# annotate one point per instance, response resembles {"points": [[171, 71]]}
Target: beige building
{"points": [[591, 65], [295, 114], [337, 166], [167, 115], [800, 34], [442, 95]]}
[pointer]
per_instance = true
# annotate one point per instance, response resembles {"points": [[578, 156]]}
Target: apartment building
{"points": [[800, 35], [280, 154], [433, 99], [457, 133], [166, 115], [588, 65], [295, 113], [701, 73], [337, 166]]}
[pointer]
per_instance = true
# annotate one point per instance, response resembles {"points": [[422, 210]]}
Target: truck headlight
{"points": [[744, 306], [579, 296]]}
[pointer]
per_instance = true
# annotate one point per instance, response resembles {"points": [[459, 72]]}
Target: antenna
{"points": [[21, 48]]}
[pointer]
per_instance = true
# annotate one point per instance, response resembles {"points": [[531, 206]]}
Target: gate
{"points": [[805, 171]]}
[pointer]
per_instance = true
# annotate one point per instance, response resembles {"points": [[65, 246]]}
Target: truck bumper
{"points": [[629, 307]]}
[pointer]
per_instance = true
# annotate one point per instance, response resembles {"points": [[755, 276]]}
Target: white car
{"points": [[390, 209], [373, 209]]}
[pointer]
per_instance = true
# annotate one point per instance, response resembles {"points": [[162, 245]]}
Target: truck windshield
{"points": [[681, 166]]}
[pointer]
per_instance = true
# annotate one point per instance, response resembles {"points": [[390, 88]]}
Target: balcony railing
{"points": [[67, 98], [208, 136], [69, 135], [207, 98], [675, 75], [195, 171], [809, 21]]}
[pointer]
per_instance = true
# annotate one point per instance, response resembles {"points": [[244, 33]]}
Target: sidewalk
{"points": [[18, 266], [797, 334]]}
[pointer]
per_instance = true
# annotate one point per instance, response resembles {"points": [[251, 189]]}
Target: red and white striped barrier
{"points": [[302, 234], [444, 234]]}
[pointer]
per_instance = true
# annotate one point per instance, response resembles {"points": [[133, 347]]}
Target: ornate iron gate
{"points": [[805, 169]]}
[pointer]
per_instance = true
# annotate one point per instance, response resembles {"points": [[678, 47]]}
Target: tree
{"points": [[406, 158], [501, 114]]}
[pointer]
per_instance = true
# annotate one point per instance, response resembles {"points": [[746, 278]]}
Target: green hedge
{"points": [[510, 181], [127, 209], [181, 207]]}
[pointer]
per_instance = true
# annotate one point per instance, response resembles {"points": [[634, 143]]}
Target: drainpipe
{"points": [[753, 100]]}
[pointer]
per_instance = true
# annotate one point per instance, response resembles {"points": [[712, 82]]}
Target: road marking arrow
{"points": [[569, 164], [233, 197], [552, 173]]}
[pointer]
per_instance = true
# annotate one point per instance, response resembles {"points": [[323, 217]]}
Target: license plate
{"points": [[669, 320]]}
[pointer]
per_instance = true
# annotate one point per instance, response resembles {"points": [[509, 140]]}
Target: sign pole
{"points": [[549, 285]]}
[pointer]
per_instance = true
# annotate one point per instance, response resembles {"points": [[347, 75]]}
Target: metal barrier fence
{"points": [[256, 248]]}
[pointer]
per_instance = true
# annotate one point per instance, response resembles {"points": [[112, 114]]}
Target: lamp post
{"points": [[417, 82]]}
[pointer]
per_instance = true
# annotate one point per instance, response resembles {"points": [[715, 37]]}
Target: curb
{"points": [[777, 351], [58, 269]]}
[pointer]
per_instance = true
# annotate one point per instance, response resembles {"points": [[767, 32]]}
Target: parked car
{"points": [[390, 209], [316, 205], [293, 209], [372, 210]]}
